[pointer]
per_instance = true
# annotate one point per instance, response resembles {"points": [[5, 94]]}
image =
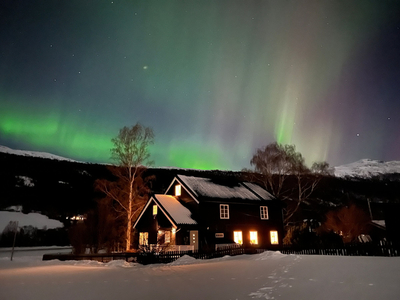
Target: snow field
{"points": [[34, 219], [269, 275]]}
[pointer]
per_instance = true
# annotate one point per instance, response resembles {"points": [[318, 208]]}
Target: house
{"points": [[206, 213]]}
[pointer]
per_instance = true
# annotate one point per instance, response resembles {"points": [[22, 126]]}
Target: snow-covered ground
{"points": [[33, 219], [268, 275], [5, 149], [367, 168]]}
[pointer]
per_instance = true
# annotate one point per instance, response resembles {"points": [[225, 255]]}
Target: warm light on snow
{"points": [[269, 275]]}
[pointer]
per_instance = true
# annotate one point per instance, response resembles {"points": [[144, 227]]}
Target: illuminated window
{"points": [[274, 237], [224, 211], [143, 238], [178, 190], [160, 237], [264, 212], [167, 237], [154, 210], [237, 237], [253, 237]]}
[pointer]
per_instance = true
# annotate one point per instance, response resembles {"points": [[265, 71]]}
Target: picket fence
{"points": [[381, 249]]}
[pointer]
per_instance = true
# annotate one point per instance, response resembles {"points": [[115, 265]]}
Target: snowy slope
{"points": [[269, 275], [33, 219], [367, 168], [5, 149]]}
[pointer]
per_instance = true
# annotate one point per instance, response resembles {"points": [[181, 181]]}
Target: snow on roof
{"points": [[207, 188], [176, 210], [381, 223], [259, 190]]}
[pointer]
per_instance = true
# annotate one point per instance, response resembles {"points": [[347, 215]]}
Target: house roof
{"points": [[259, 190], [209, 188], [179, 213]]}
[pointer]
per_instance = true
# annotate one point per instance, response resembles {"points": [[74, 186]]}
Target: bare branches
{"points": [[348, 222], [129, 191], [277, 164]]}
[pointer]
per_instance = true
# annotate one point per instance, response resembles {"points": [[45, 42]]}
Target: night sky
{"points": [[214, 79]]}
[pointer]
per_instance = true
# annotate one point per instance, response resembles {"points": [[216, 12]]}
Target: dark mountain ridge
{"points": [[62, 188]]}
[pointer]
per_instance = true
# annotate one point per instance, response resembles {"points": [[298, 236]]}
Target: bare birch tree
{"points": [[129, 191], [275, 164]]}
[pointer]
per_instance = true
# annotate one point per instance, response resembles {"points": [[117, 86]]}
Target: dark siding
{"points": [[242, 217]]}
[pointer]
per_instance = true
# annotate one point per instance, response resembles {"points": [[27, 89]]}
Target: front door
{"points": [[194, 239]]}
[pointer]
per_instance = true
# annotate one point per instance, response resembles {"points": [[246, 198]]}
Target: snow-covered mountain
{"points": [[363, 168], [5, 149], [368, 168]]}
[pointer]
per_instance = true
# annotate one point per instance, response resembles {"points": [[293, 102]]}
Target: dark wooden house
{"points": [[206, 213]]}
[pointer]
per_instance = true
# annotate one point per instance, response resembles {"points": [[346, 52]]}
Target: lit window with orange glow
{"points": [[167, 235], [274, 237], [178, 190], [237, 237], [154, 210], [253, 237], [143, 238]]}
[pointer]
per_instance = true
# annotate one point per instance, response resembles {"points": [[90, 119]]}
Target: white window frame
{"points": [[264, 213], [224, 211]]}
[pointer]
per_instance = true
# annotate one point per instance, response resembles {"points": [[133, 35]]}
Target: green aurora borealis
{"points": [[214, 79]]}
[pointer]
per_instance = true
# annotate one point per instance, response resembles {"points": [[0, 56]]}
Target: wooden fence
{"points": [[382, 249], [362, 249], [151, 257]]}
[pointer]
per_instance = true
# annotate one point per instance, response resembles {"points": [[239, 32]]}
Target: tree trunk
{"points": [[129, 216], [128, 234]]}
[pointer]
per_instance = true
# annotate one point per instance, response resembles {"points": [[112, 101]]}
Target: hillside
{"points": [[367, 168], [64, 188]]}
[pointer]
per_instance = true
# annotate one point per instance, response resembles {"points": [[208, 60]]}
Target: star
{"points": [[145, 67]]}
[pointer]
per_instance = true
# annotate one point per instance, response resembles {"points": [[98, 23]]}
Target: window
{"points": [[253, 237], [237, 237], [274, 237], [178, 190], [143, 238], [168, 237], [224, 211], [154, 210], [264, 212]]}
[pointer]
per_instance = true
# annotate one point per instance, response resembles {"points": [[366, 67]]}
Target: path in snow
{"points": [[263, 276]]}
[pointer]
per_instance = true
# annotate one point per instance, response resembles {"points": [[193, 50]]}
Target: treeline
{"points": [[61, 189]]}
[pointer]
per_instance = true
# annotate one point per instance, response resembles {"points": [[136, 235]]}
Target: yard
{"points": [[270, 275]]}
